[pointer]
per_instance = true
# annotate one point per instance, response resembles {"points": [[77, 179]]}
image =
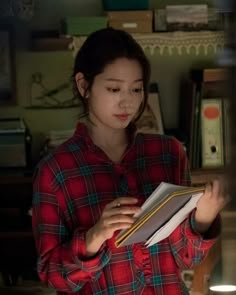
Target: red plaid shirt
{"points": [[71, 188]]}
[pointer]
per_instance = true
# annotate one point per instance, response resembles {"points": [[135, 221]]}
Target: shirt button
{"points": [[148, 280]]}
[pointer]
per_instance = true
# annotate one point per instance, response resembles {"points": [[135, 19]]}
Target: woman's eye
{"points": [[137, 90], [114, 90]]}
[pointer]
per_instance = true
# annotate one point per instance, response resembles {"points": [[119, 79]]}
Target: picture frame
{"points": [[7, 65], [151, 120]]}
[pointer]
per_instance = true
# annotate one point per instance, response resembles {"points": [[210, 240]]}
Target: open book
{"points": [[160, 214]]}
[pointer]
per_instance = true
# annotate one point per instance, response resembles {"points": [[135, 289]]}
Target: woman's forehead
{"points": [[121, 69]]}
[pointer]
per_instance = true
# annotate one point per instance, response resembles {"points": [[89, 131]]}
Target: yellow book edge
{"points": [[141, 221]]}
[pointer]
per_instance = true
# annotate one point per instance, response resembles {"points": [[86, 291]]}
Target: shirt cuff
{"points": [[208, 237], [88, 264]]}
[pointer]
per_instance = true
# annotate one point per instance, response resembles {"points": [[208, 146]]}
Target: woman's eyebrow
{"points": [[120, 80]]}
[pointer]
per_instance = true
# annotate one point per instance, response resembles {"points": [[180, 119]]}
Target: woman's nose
{"points": [[126, 98]]}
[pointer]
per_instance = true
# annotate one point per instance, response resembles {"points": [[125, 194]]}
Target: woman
{"points": [[90, 187]]}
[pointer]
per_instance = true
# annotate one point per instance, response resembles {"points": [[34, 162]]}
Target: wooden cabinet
{"points": [[17, 249]]}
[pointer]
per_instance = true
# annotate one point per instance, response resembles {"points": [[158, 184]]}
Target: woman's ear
{"points": [[81, 83]]}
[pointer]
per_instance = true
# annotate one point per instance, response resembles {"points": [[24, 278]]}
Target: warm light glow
{"points": [[223, 288]]}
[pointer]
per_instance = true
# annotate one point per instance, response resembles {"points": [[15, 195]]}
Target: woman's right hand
{"points": [[117, 215]]}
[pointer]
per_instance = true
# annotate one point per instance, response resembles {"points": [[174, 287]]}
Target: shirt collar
{"points": [[82, 132]]}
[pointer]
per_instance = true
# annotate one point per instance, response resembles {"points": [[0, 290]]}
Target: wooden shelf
{"points": [[161, 41], [50, 44], [202, 176]]}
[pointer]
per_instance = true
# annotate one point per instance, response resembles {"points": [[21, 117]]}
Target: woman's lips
{"points": [[122, 117]]}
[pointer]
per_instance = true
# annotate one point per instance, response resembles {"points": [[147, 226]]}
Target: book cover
{"points": [[160, 214]]}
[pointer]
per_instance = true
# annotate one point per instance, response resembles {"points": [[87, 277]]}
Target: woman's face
{"points": [[116, 94]]}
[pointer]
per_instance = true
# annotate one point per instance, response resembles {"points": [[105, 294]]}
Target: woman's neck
{"points": [[105, 137]]}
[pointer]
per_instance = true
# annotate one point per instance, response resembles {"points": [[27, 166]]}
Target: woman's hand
{"points": [[210, 204], [116, 216]]}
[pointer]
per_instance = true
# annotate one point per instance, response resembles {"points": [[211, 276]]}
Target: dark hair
{"points": [[101, 48]]}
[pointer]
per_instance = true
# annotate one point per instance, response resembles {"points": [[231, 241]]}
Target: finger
{"points": [[121, 201], [119, 225], [118, 219], [216, 188], [208, 188], [126, 210]]}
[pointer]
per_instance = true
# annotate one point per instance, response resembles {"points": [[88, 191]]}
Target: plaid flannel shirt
{"points": [[71, 188]]}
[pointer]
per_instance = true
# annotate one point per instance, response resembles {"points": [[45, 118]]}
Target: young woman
{"points": [[91, 186]]}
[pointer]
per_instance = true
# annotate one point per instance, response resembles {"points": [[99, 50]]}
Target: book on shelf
{"points": [[167, 207], [227, 128], [190, 97], [212, 132]]}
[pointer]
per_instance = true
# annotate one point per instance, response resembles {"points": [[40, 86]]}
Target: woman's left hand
{"points": [[210, 204]]}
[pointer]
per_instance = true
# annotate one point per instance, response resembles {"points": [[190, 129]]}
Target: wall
{"points": [[56, 68]]}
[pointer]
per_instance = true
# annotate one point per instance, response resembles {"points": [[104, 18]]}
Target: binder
{"points": [[212, 133], [161, 213], [227, 130]]}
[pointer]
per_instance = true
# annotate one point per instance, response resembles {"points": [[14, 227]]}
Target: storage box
{"points": [[15, 143], [215, 21], [83, 25], [131, 21], [125, 4], [187, 17]]}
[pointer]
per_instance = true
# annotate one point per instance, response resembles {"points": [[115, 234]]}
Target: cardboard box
{"points": [[131, 21], [15, 143]]}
